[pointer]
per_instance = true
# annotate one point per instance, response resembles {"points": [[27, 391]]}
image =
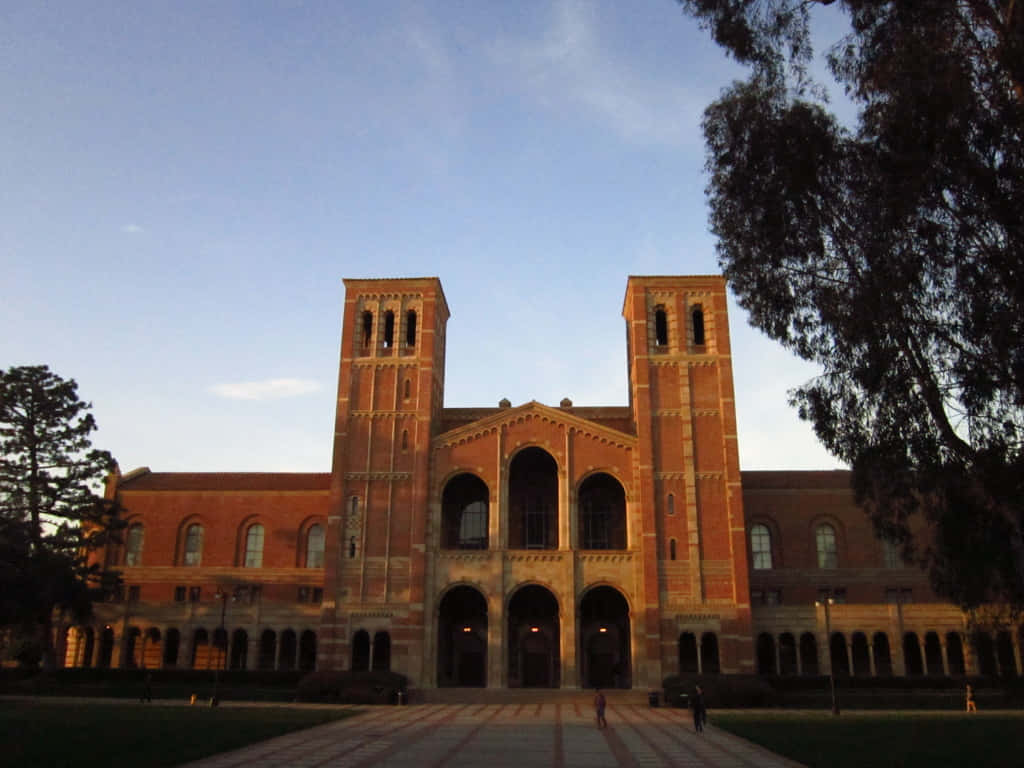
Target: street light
{"points": [[828, 603]]}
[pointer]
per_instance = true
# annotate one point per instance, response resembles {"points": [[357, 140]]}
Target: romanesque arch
{"points": [[534, 660], [462, 638], [533, 500], [604, 637]]}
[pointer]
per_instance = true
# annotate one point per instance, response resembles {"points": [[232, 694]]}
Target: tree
{"points": [[891, 253], [52, 512]]}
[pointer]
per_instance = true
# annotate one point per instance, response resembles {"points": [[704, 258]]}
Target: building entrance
{"points": [[604, 639], [533, 639], [462, 639]]}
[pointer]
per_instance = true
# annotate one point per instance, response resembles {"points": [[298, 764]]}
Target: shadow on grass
{"points": [[859, 739], [63, 733]]}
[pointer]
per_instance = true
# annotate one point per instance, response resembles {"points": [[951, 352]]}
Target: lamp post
{"points": [[827, 603]]}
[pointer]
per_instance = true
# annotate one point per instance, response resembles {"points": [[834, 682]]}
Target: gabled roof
{"points": [[535, 410]]}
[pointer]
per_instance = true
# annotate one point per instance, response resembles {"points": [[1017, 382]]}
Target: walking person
{"points": [[599, 705], [700, 712], [971, 705]]}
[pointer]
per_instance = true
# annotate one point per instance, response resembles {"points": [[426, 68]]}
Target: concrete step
{"points": [[522, 696]]}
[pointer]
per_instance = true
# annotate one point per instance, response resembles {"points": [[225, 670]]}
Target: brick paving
{"points": [[560, 734]]}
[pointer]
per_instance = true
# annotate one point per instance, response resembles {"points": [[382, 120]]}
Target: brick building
{"points": [[523, 546]]}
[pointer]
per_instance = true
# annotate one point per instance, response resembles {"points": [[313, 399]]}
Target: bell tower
{"points": [[681, 393], [390, 395]]}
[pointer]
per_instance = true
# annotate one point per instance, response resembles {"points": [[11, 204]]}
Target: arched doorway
{"points": [[106, 648], [604, 639], [765, 654], [883, 659], [709, 662], [286, 651], [239, 649], [787, 654], [307, 651], [933, 654], [171, 647], [534, 660], [688, 663], [533, 500], [381, 660], [860, 655], [955, 654], [361, 651], [808, 654], [462, 639], [912, 660], [268, 650]]}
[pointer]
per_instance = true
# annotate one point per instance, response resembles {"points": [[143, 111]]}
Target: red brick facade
{"points": [[521, 546]]}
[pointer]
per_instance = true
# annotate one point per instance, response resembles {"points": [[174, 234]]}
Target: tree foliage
{"points": [[52, 511], [891, 253]]}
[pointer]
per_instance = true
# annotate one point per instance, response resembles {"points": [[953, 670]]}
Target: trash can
{"points": [[652, 698], [401, 698]]}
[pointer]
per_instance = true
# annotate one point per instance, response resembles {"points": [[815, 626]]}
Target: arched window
{"points": [[389, 329], [697, 321], [602, 505], [254, 547], [133, 547], [406, 389], [892, 555], [671, 504], [825, 539], [671, 549], [761, 547], [533, 500], [410, 328], [367, 331], [464, 513], [315, 546], [405, 440], [660, 327], [193, 545]]}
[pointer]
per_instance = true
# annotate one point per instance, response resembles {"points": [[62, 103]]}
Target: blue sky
{"points": [[184, 185]]}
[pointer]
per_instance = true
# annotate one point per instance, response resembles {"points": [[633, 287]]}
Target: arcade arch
{"points": [[534, 660]]}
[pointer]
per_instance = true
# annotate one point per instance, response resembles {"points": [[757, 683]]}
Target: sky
{"points": [[184, 185]]}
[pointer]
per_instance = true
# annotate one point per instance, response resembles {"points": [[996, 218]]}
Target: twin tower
{"points": [[535, 545]]}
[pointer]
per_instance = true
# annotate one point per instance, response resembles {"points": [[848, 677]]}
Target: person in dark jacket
{"points": [[700, 712]]}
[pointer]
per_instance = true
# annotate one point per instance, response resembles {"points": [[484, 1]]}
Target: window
{"points": [[314, 595], [671, 549], [304, 594], [766, 596], [671, 504], [367, 331], [193, 545], [194, 594], [405, 439], [761, 547], [179, 594], [697, 318], [134, 593], [406, 389], [318, 595], [254, 546], [892, 554], [315, 546], [389, 329], [133, 549], [410, 328], [660, 327], [464, 513], [602, 507], [825, 538]]}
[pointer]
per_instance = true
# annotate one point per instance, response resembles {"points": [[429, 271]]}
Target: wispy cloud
{"points": [[132, 229], [269, 389], [572, 65]]}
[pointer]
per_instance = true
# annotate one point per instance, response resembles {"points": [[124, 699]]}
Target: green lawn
{"points": [[61, 733], [898, 739]]}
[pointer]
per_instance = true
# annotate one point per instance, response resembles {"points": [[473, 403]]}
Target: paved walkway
{"points": [[500, 735]]}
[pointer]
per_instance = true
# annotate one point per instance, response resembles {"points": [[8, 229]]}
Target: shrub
{"points": [[720, 690], [348, 687]]}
